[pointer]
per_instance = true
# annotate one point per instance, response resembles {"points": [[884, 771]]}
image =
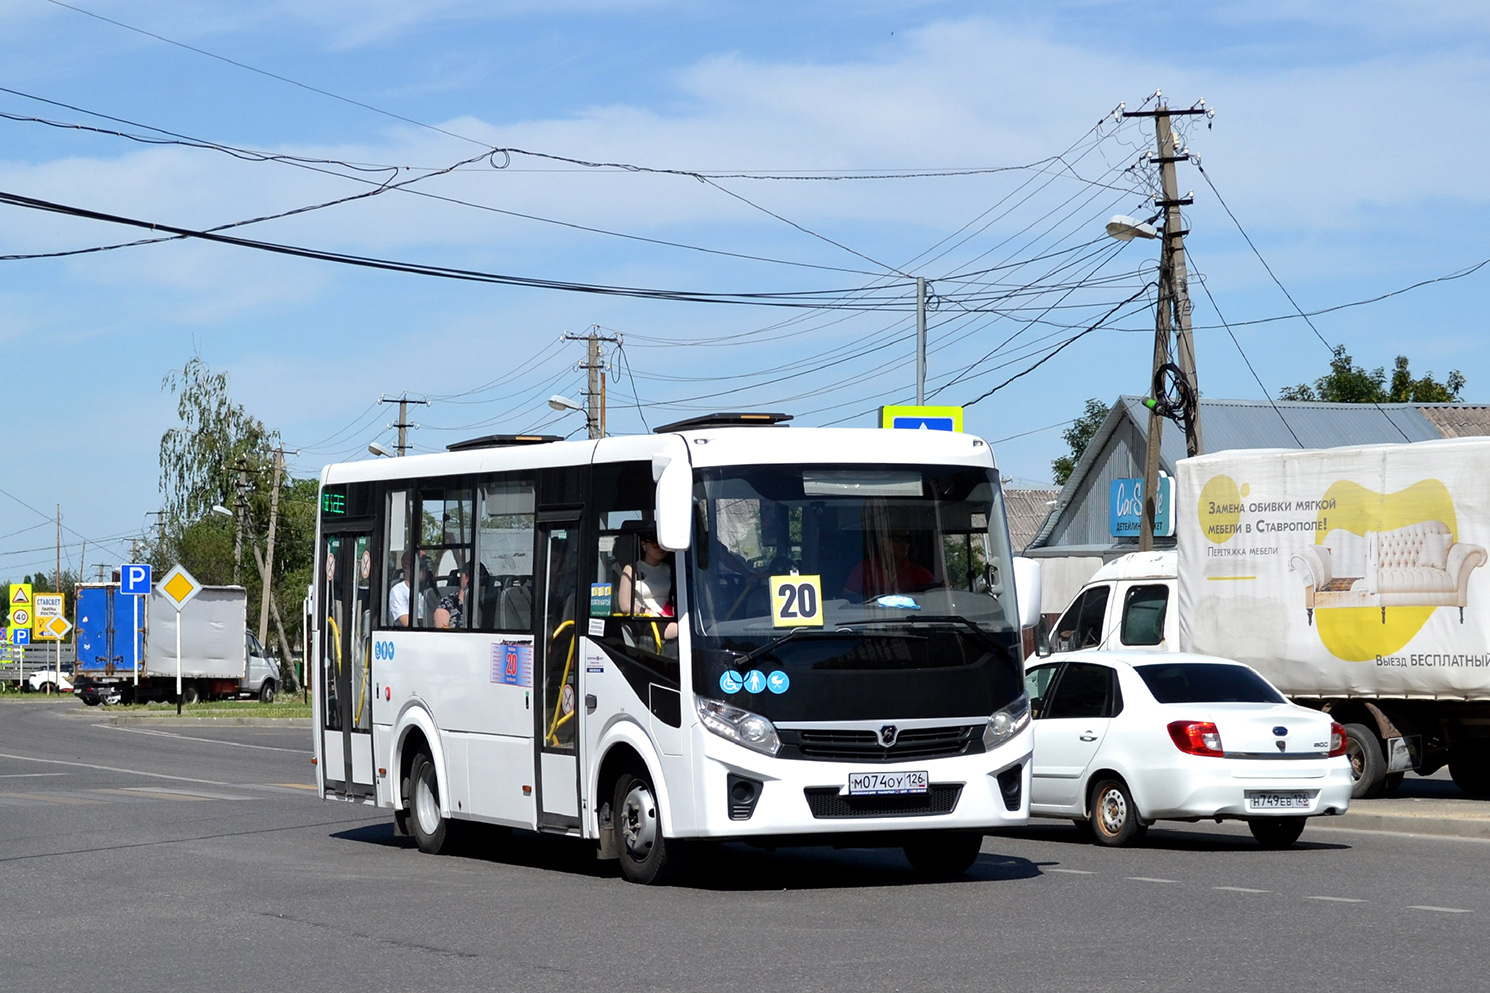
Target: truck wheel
{"points": [[1368, 767], [1470, 768], [191, 693], [266, 692], [1277, 832]]}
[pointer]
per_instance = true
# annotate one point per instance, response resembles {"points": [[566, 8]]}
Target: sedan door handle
{"points": [[1088, 737]]}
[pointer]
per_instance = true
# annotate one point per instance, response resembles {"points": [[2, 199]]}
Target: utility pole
{"points": [[403, 424], [240, 509], [1173, 299], [920, 340], [267, 584], [594, 366], [57, 580]]}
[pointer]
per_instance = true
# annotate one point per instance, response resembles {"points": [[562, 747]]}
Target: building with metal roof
{"points": [[1075, 540]]}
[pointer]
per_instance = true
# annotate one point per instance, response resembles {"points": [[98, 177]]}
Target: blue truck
{"points": [[220, 657]]}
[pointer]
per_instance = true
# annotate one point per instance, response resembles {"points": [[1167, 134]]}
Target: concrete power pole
{"points": [[403, 424], [267, 577], [920, 340], [1173, 301]]}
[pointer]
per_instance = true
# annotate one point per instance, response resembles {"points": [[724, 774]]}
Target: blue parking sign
{"points": [[21, 636], [135, 580]]}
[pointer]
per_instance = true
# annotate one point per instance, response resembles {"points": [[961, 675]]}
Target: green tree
{"points": [[1347, 382], [1078, 436], [217, 443]]}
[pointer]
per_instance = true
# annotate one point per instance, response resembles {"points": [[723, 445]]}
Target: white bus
{"points": [[728, 629]]}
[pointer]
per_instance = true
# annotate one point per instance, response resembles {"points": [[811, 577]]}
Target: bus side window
{"points": [[444, 553], [397, 599], [623, 505], [503, 587]]}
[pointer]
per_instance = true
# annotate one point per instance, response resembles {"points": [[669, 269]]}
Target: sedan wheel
{"points": [[1114, 816]]}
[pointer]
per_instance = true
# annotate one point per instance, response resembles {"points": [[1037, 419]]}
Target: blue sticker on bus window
{"points": [[898, 600], [755, 681], [600, 599], [731, 681], [778, 682]]}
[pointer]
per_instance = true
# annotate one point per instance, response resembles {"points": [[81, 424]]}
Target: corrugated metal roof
{"points": [[1027, 510], [1233, 424], [1458, 420]]}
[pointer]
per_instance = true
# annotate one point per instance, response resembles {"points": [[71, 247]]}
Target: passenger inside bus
{"points": [[887, 568], [398, 593], [451, 612], [645, 587]]}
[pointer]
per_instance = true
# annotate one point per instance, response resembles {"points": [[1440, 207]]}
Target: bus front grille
{"points": [[855, 745], [827, 802]]}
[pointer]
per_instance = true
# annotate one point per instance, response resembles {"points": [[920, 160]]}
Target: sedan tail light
{"points": [[1337, 740], [1196, 737]]}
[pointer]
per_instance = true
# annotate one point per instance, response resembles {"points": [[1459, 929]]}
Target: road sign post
{"points": [[135, 582], [48, 608], [179, 587]]}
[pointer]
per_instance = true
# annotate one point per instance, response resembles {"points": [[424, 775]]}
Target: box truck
{"points": [[220, 657], [1352, 578]]}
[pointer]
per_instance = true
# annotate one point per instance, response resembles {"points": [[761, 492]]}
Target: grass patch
{"points": [[281, 707]]}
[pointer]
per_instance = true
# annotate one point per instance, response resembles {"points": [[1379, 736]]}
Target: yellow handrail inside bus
{"points": [[362, 696], [335, 640], [558, 719]]}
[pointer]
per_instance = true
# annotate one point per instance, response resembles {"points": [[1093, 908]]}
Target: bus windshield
{"points": [[900, 580]]}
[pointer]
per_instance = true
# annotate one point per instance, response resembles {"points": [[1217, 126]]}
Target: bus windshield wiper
{"points": [[775, 643], [913, 618]]}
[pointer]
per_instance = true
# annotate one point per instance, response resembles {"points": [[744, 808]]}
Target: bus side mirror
{"points": [[674, 512], [1027, 591]]}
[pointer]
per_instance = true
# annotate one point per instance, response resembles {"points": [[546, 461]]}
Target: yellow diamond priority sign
{"points": [[52, 628], [178, 587]]}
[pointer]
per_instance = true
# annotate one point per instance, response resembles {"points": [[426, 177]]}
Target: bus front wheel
{"points": [[432, 831], [646, 855], [944, 854]]}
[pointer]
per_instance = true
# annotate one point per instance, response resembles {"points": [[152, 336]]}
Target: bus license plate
{"points": [[870, 783], [1294, 799]]}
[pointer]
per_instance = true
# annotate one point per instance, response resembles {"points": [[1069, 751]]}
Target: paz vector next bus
{"points": [[726, 630]]}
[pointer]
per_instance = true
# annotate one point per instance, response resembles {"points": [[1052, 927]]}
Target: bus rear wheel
{"points": [[647, 856]]}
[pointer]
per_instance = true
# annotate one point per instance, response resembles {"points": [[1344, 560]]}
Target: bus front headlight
{"points": [[740, 726], [1006, 722]]}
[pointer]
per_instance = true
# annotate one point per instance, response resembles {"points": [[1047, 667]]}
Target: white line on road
{"points": [[1442, 910], [32, 775], [110, 768], [210, 741], [1335, 899], [1076, 872], [1150, 879], [1239, 889]]}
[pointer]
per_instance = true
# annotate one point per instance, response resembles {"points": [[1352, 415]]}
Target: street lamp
{"points": [[380, 450], [220, 510], [1125, 228], [561, 403]]}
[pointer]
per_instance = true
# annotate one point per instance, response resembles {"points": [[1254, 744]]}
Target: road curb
{"points": [[1472, 828]]}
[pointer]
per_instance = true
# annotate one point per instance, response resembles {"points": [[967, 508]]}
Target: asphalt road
{"points": [[191, 858]]}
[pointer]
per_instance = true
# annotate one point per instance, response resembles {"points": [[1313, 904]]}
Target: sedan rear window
{"points": [[1206, 682]]}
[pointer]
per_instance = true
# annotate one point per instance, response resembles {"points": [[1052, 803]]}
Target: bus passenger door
{"points": [[556, 658], [343, 687]]}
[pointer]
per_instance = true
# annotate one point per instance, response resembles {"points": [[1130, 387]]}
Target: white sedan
{"points": [[1124, 739]]}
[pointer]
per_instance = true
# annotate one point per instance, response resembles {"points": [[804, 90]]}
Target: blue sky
{"points": [[1347, 140]]}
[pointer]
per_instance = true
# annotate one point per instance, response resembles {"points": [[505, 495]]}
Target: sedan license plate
{"points": [[871, 783], [1281, 800]]}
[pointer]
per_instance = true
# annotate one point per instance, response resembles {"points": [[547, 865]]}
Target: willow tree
{"points": [[201, 459]]}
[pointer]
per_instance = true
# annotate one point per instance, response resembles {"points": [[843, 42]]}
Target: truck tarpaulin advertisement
{"points": [[1364, 566]]}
